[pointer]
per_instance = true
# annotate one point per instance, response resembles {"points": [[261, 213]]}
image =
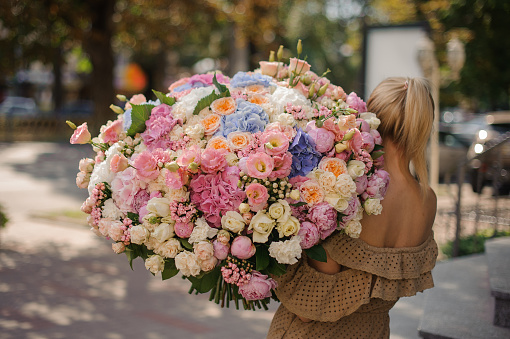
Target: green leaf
{"points": [[170, 270], [133, 217], [206, 102], [185, 244], [164, 99], [378, 147], [131, 255], [207, 282], [275, 268], [262, 258], [377, 154], [139, 115], [224, 92], [317, 252], [299, 204]]}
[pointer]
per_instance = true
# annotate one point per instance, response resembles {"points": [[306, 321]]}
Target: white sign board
{"points": [[391, 51]]}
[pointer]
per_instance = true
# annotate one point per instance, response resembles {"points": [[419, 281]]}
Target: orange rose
{"points": [[311, 192], [224, 106], [258, 99], [333, 165], [219, 143], [211, 124]]}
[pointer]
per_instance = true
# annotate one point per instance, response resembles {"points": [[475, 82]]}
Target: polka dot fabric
{"points": [[353, 303]]}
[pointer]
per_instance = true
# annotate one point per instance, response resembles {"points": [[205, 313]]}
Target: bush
{"points": [[474, 243], [3, 217]]}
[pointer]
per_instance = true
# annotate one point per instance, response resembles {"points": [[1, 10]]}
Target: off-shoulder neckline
{"points": [[373, 248]]}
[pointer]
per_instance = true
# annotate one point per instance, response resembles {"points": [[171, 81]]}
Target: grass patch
{"points": [[69, 216], [474, 243]]}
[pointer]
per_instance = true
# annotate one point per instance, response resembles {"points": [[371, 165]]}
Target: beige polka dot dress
{"points": [[353, 303]]}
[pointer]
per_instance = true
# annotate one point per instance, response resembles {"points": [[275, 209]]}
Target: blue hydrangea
{"points": [[248, 117], [243, 79], [304, 156], [190, 85]]}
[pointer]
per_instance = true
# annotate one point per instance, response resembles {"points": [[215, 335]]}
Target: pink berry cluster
{"points": [[182, 212], [233, 274], [297, 111], [126, 225], [180, 144]]}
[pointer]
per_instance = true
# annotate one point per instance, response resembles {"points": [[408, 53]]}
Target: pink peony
{"points": [[355, 102], [242, 247], [118, 163], [146, 166], [259, 165], [324, 139], [377, 185], [362, 125], [368, 142], [221, 250], [140, 200], [377, 136], [81, 135], [324, 216], [297, 181], [361, 184], [257, 196], [309, 235], [351, 211], [213, 160], [356, 141], [111, 133], [183, 229], [259, 287]]}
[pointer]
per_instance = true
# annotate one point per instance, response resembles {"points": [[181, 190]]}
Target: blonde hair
{"points": [[406, 110]]}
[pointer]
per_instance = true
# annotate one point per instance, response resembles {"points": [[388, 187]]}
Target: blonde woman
{"points": [[351, 294]]}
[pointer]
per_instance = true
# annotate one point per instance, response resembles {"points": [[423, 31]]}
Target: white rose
{"points": [[152, 243], [353, 228], [163, 232], [187, 263], [209, 264], [233, 222], [118, 247], [155, 263], [111, 211], [177, 194], [262, 225], [232, 159], [203, 250], [139, 234], [294, 194], [116, 230], [371, 118], [169, 249], [355, 168], [101, 172], [373, 206], [201, 231], [337, 202], [289, 227], [286, 252], [280, 211], [345, 186], [159, 206], [244, 208], [195, 131], [285, 119], [327, 180]]}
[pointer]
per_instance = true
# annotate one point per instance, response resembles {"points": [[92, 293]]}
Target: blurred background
{"points": [[67, 59]]}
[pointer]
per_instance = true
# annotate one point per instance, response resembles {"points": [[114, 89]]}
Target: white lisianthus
{"points": [[139, 234], [169, 248], [353, 228], [232, 159], [355, 168], [285, 119], [345, 186], [118, 247], [155, 263], [373, 206], [159, 206], [195, 131], [262, 225], [371, 118], [233, 222], [111, 211], [163, 232], [202, 231], [280, 211], [101, 171], [187, 263], [337, 202], [327, 180], [286, 252], [290, 227]]}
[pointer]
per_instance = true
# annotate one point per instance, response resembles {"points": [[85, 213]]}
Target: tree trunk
{"points": [[97, 44], [57, 84]]}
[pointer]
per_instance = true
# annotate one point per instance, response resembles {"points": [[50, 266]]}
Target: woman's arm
{"points": [[329, 267]]}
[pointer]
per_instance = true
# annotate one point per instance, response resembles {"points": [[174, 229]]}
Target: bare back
{"points": [[406, 219]]}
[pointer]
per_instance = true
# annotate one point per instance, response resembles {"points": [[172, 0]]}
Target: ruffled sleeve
{"points": [[385, 273]]}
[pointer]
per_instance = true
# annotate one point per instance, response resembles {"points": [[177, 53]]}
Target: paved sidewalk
{"points": [[58, 280]]}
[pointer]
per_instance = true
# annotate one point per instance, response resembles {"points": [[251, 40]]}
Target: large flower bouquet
{"points": [[228, 180]]}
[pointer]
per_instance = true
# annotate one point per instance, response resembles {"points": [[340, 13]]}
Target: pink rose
{"points": [[183, 229], [259, 165], [81, 135], [212, 160], [299, 66], [118, 163], [309, 235], [324, 216], [368, 141], [259, 287], [146, 166], [257, 196], [242, 247], [221, 250], [111, 133]]}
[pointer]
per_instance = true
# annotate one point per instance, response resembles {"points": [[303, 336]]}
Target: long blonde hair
{"points": [[406, 110]]}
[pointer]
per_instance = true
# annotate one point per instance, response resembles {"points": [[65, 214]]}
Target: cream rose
{"points": [[355, 168], [203, 250], [118, 247], [159, 206], [285, 119], [232, 159], [280, 211], [337, 202], [262, 225], [163, 232], [155, 263], [115, 230], [327, 180], [371, 118], [289, 227], [353, 228], [373, 206], [233, 222], [286, 252], [195, 131], [209, 264], [169, 249], [187, 263], [345, 186], [139, 234]]}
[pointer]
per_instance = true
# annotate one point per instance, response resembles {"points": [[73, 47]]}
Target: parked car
{"points": [[452, 151], [491, 153], [18, 107]]}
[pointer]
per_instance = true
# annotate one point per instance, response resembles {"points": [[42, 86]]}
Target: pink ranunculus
{"points": [[242, 247], [361, 184], [259, 165], [118, 163], [146, 166], [338, 93], [309, 235], [125, 186], [324, 139], [324, 216], [259, 287], [356, 141], [355, 102], [282, 166], [81, 135], [111, 133], [183, 229], [257, 196], [377, 136], [299, 66], [275, 143], [213, 160], [362, 125], [82, 179], [221, 250], [368, 142]]}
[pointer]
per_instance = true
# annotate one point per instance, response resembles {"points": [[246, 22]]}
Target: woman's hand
{"points": [[329, 267], [305, 320]]}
